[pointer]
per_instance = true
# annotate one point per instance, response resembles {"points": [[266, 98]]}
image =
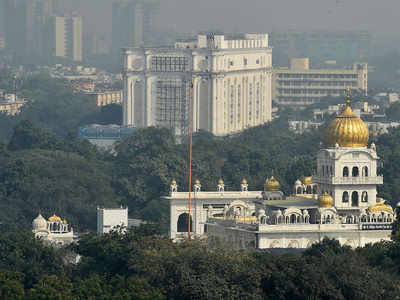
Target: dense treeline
{"points": [[44, 167], [142, 265]]}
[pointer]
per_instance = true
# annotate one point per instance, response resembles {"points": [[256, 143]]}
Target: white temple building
{"points": [[339, 201], [53, 231]]}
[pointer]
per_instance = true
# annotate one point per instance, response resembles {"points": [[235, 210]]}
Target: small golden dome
{"points": [[325, 200], [220, 182], [55, 218], [173, 182], [307, 180], [197, 182], [272, 185], [65, 221], [244, 181], [347, 130], [380, 205]]}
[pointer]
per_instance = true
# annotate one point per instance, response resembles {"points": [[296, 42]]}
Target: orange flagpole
{"points": [[190, 154]]}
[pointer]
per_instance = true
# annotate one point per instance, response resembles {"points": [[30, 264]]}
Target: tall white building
{"points": [[231, 80]]}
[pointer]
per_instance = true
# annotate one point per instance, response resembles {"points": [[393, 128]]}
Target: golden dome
{"points": [[244, 181], [272, 184], [307, 180], [325, 200], [173, 182], [55, 218], [197, 182], [380, 205], [65, 221], [347, 130], [220, 182]]}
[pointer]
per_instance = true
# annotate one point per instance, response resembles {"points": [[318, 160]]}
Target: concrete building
{"points": [[339, 201], [10, 104], [106, 97], [231, 79], [133, 23], [111, 218], [67, 37], [301, 85]]}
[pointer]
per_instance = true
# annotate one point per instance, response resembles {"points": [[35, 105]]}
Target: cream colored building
{"points": [[231, 84], [301, 85], [106, 97], [10, 104], [67, 37]]}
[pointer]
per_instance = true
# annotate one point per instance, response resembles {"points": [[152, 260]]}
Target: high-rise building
{"points": [[342, 46], [132, 23], [231, 80], [27, 26], [67, 37]]}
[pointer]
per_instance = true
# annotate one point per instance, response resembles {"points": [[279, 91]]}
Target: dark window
{"points": [[345, 197], [354, 199], [345, 172], [354, 172]]}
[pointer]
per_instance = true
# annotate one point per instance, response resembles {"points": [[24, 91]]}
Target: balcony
{"points": [[348, 180]]}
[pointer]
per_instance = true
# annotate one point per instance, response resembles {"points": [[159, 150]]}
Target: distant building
{"points": [[231, 80], [2, 42], [109, 219], [54, 231], [10, 104], [27, 26], [106, 97], [132, 23], [301, 85], [105, 136], [67, 37], [341, 46]]}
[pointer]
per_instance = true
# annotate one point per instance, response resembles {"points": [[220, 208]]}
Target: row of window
{"points": [[310, 91], [288, 75], [328, 171], [316, 83]]}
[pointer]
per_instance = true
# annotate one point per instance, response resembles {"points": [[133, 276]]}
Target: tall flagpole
{"points": [[190, 153]]}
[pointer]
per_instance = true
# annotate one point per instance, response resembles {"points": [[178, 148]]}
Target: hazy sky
{"points": [[257, 15]]}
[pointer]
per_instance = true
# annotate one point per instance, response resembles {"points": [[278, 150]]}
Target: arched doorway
{"points": [[354, 198], [182, 224]]}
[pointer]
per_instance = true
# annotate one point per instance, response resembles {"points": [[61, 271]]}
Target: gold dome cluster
{"points": [[325, 200], [347, 130], [272, 185], [55, 218]]}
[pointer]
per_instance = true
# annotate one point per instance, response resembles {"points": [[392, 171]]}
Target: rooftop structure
{"points": [[109, 219], [55, 230]]}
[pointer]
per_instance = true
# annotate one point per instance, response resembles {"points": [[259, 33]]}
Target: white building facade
{"points": [[109, 219], [231, 79], [54, 231]]}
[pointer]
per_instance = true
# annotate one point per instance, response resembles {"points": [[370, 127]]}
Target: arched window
{"points": [[299, 190], [292, 218], [365, 171], [308, 189], [345, 197], [183, 223], [354, 198], [364, 197], [323, 170], [354, 172], [345, 172], [314, 189], [331, 171]]}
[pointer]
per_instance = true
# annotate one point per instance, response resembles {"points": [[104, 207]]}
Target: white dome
{"points": [[39, 223], [298, 182]]}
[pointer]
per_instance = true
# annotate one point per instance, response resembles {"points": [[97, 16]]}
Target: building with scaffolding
{"points": [[231, 79]]}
